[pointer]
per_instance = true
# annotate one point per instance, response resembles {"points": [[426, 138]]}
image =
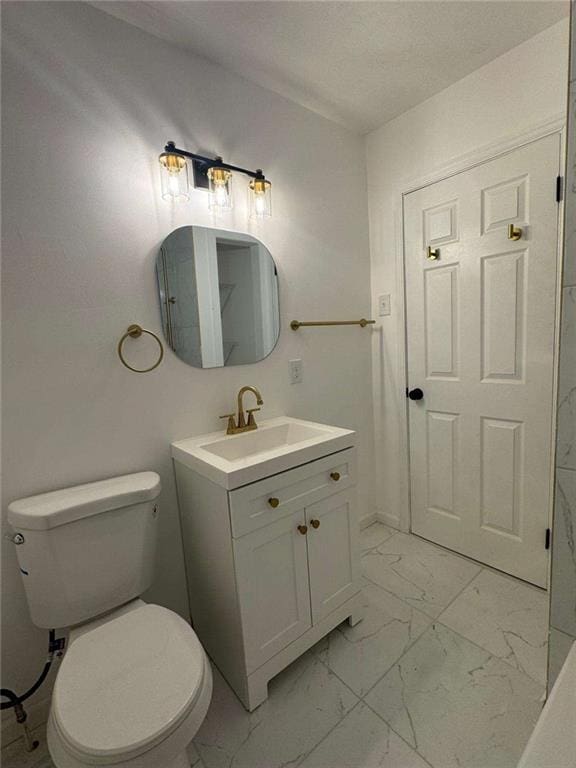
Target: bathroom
{"points": [[355, 112]]}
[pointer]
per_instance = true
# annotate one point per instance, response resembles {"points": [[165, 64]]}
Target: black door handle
{"points": [[415, 394]]}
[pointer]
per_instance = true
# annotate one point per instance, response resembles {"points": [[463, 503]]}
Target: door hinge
{"points": [[547, 538], [559, 188]]}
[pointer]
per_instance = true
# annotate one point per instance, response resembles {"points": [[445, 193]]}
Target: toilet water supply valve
{"points": [[56, 647]]}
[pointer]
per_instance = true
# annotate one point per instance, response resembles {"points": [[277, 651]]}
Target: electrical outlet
{"points": [[384, 307], [296, 371]]}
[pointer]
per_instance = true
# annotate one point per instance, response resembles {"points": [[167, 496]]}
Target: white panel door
{"points": [[332, 553], [480, 343], [272, 573]]}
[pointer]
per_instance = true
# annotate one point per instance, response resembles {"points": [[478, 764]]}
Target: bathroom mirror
{"points": [[218, 297]]}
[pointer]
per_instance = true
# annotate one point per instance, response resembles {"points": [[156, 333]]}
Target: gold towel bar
{"points": [[134, 332], [295, 324]]}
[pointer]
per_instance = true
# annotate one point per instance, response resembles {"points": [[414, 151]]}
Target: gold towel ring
{"points": [[134, 332]]}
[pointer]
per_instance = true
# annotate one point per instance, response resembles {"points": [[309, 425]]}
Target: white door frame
{"points": [[451, 168]]}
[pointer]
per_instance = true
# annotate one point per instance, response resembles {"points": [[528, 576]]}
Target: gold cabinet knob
{"points": [[303, 529], [273, 502], [315, 523], [335, 476]]}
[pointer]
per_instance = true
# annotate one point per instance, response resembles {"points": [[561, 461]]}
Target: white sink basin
{"points": [[277, 445]]}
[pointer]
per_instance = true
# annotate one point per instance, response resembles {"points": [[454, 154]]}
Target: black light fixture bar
{"points": [[202, 164]]}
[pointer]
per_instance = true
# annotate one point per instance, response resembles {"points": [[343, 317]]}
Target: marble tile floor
{"points": [[446, 670]]}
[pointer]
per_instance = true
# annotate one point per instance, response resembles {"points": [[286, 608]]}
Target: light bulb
{"points": [[220, 189], [260, 205], [221, 196], [174, 176], [173, 184], [260, 197]]}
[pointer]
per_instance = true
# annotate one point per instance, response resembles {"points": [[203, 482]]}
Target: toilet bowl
{"points": [[131, 692], [135, 683]]}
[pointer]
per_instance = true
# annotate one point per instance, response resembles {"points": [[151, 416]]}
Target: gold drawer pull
{"points": [[335, 476], [273, 502], [303, 529], [315, 523]]}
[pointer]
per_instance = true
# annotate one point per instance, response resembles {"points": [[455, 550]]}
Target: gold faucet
{"points": [[234, 428]]}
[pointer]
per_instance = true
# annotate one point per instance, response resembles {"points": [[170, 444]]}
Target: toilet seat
{"points": [[125, 685]]}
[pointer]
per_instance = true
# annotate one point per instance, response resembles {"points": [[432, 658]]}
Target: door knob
{"points": [[415, 394], [303, 529], [315, 523], [514, 233]]}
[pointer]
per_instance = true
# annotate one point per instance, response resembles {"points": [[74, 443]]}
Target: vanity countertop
{"points": [[277, 445]]}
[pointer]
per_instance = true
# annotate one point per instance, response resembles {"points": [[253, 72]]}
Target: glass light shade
{"points": [[219, 189], [174, 176], [260, 198]]}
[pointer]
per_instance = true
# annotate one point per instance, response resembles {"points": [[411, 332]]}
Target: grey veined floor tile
{"points": [[424, 575], [193, 755], [15, 756], [360, 655], [458, 705], [373, 535], [362, 740], [507, 618], [305, 702]]}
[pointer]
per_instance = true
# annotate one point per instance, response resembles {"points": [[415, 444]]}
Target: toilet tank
{"points": [[87, 549]]}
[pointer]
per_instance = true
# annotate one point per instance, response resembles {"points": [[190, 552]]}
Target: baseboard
{"points": [[380, 517], [37, 715], [390, 520], [368, 520]]}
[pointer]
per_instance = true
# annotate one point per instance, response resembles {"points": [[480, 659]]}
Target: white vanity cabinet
{"points": [[272, 566]]}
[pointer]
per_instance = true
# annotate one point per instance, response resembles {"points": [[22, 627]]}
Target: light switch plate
{"points": [[384, 305], [296, 371]]}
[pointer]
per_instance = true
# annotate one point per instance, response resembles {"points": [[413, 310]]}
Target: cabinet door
{"points": [[333, 558], [273, 587]]}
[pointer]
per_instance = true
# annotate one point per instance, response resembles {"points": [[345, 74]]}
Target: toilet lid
{"points": [[126, 684]]}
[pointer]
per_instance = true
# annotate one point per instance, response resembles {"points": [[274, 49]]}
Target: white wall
{"points": [[88, 103], [511, 95], [563, 578]]}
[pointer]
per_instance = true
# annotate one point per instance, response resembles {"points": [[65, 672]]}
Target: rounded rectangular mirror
{"points": [[218, 297]]}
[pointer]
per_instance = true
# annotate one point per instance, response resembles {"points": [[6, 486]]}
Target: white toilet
{"points": [[135, 683]]}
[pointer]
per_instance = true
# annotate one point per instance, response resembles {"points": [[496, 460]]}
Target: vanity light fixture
{"points": [[213, 174]]}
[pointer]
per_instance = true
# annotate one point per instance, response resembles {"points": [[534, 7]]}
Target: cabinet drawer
{"points": [[250, 506]]}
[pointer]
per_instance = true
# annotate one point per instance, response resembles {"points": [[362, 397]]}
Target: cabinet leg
{"points": [[256, 692], [356, 616]]}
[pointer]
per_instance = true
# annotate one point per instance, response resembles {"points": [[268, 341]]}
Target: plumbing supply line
{"points": [[54, 647], [14, 699]]}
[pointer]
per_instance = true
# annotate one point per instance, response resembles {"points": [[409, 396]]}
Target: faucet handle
{"points": [[231, 423], [250, 412]]}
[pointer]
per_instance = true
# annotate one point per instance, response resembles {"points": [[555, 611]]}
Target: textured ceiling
{"points": [[358, 63]]}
